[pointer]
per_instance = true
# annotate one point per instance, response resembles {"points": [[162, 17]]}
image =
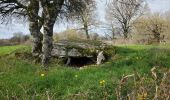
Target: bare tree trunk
{"points": [[34, 27], [47, 42], [87, 34], [50, 11], [125, 35], [86, 30], [36, 38], [157, 36]]}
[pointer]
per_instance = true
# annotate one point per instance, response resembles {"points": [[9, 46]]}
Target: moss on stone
{"points": [[87, 47]]}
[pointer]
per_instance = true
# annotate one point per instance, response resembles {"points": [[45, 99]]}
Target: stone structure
{"points": [[83, 49]]}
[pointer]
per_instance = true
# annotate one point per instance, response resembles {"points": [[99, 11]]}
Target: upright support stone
{"points": [[68, 61], [100, 58]]}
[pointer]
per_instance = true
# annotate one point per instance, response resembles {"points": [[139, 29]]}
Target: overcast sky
{"points": [[6, 31]]}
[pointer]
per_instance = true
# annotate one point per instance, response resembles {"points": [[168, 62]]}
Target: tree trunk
{"points": [[36, 38], [157, 36], [33, 9], [47, 42], [125, 33], [87, 34], [50, 11], [86, 30], [125, 30]]}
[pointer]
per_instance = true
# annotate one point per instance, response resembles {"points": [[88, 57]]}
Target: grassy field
{"points": [[23, 80]]}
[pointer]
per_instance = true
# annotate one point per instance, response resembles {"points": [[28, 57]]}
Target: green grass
{"points": [[9, 49], [22, 79]]}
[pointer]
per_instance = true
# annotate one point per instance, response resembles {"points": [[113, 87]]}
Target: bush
{"points": [[70, 34], [153, 86], [19, 38]]}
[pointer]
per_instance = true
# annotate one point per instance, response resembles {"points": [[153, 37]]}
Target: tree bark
{"points": [[157, 36], [87, 34], [36, 38], [50, 11], [86, 30], [34, 28], [125, 35], [125, 32], [47, 42]]}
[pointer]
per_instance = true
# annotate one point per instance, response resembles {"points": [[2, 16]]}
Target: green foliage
{"points": [[21, 79], [143, 87], [159, 57]]}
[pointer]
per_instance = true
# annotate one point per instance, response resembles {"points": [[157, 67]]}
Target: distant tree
{"points": [[19, 38], [87, 18], [27, 9], [154, 26], [69, 34], [111, 31], [123, 13], [110, 27], [95, 36]]}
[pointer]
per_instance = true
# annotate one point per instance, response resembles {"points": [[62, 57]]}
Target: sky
{"points": [[159, 5], [7, 31]]}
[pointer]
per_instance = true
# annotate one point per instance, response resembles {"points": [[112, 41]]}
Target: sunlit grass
{"points": [[9, 49], [25, 79]]}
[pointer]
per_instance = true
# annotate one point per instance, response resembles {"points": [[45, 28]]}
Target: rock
{"points": [[74, 52], [100, 58], [70, 49], [68, 61], [66, 48]]}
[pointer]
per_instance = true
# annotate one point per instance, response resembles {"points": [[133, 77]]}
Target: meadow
{"points": [[22, 79]]}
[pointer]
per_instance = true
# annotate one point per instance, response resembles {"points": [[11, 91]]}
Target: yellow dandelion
{"points": [[102, 82], [42, 75]]}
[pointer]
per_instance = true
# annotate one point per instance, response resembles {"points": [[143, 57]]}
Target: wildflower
{"points": [[76, 76], [42, 75], [102, 82]]}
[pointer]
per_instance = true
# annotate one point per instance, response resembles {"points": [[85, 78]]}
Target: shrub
{"points": [[70, 34]]}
